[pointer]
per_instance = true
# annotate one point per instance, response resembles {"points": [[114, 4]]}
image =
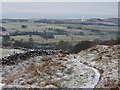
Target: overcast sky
{"points": [[59, 10]]}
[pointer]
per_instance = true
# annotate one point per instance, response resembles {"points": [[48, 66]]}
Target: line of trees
{"points": [[7, 41], [24, 44], [42, 34], [82, 45], [64, 45]]}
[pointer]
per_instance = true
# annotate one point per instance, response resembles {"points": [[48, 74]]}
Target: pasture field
{"points": [[26, 37], [36, 38], [78, 32], [97, 27], [57, 38]]}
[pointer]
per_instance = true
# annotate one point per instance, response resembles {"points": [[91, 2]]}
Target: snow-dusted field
{"points": [[96, 67], [66, 72], [105, 59], [1, 84], [3, 53], [91, 80], [7, 52]]}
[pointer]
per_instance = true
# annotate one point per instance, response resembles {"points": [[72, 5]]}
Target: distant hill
{"points": [[95, 19], [113, 20], [63, 21], [13, 20]]}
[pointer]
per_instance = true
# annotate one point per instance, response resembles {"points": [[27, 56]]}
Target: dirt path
{"points": [[92, 81]]}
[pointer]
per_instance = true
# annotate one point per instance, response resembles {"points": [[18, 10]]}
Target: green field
{"points": [[73, 34]]}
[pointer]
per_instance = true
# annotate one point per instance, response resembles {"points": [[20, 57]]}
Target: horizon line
{"points": [[62, 18]]}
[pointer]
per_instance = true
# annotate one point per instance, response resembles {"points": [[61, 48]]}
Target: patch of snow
{"points": [[92, 82], [1, 84], [50, 86]]}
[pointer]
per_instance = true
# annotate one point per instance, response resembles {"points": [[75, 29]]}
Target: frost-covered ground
{"points": [[95, 67], [92, 80], [3, 53], [7, 52], [105, 59], [50, 71], [1, 84]]}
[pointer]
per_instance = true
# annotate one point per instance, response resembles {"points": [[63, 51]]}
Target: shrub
{"points": [[24, 26], [3, 29], [82, 46]]}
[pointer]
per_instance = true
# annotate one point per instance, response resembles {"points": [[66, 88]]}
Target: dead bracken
{"points": [[89, 69]]}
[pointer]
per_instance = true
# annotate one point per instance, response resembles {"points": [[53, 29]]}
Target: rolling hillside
{"points": [[96, 67]]}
